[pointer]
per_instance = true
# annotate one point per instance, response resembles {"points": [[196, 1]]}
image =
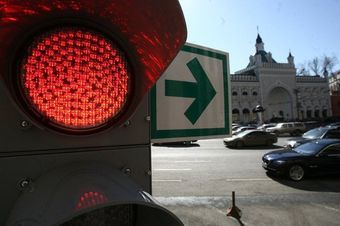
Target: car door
{"points": [[261, 138], [289, 128], [251, 139], [328, 160], [284, 128]]}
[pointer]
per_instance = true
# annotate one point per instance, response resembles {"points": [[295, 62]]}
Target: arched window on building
{"points": [[234, 93], [254, 93], [235, 115], [309, 113], [245, 93], [302, 114], [317, 113], [246, 115], [324, 113]]}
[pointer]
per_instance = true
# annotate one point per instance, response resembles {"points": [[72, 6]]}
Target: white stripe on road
{"points": [[326, 207], [228, 180], [248, 179], [166, 180], [192, 161], [186, 169]]}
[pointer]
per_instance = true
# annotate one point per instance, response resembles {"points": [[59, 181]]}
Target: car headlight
{"points": [[279, 162]]}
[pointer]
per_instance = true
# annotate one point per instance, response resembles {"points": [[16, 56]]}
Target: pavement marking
{"points": [[166, 180], [247, 179], [218, 210], [326, 207], [185, 169], [192, 161]]}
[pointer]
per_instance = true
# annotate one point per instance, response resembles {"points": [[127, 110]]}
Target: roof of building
{"points": [[264, 57]]}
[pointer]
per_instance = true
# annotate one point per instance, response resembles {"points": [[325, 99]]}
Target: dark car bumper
{"points": [[229, 143], [272, 168]]}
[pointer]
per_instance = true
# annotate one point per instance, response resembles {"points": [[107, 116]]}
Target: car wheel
{"points": [[296, 172], [239, 144]]}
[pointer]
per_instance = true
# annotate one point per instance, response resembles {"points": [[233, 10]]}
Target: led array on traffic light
{"points": [[74, 78]]}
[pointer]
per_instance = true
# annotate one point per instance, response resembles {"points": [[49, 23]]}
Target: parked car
{"points": [[235, 127], [293, 128], [250, 138], [317, 133], [312, 124], [315, 157], [265, 126], [242, 128], [334, 124]]}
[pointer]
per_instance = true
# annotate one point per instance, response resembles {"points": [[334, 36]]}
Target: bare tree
{"points": [[315, 66], [323, 66], [301, 70], [328, 64]]}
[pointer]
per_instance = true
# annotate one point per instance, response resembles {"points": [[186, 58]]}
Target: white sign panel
{"points": [[191, 99]]}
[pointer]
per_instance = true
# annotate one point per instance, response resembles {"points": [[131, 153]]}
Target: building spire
{"points": [[290, 58], [259, 43], [258, 39]]}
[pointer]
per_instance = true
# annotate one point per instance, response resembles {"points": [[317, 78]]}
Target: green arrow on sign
{"points": [[201, 90]]}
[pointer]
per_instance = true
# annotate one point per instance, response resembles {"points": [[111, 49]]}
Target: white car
{"points": [[293, 128]]}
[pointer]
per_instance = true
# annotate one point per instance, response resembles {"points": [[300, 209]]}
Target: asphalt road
{"points": [[196, 183]]}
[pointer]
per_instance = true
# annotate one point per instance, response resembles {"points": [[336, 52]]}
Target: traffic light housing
{"points": [[74, 116]]}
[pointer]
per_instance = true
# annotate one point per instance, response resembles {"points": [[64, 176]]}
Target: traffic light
{"points": [[74, 125]]}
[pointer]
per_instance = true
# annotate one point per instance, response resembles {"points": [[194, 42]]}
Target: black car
{"points": [[317, 133], [315, 157]]}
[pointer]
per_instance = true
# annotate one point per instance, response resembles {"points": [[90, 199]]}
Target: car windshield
{"points": [[310, 148], [243, 133], [314, 133]]}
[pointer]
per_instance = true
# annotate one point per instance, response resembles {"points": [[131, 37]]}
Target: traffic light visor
{"points": [[112, 52], [88, 194]]}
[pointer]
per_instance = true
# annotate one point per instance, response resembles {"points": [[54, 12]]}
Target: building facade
{"points": [[275, 86], [334, 82], [334, 85]]}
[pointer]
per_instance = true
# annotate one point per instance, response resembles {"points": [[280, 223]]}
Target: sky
{"points": [[307, 28]]}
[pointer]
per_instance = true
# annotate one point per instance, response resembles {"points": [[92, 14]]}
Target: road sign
{"points": [[190, 101]]}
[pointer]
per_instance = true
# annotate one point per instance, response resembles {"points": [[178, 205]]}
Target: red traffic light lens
{"points": [[91, 199], [75, 78]]}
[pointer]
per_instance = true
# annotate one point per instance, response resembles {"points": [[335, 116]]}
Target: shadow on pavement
{"points": [[177, 144], [240, 222], [320, 183], [258, 147]]}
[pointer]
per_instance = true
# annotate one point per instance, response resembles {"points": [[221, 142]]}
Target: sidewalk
{"points": [[205, 211]]}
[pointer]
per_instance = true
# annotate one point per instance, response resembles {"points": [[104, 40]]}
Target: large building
{"points": [[275, 86]]}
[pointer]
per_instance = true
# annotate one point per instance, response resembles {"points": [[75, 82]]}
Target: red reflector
{"points": [[91, 199], [75, 77]]}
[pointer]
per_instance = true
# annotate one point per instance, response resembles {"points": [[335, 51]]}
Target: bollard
{"points": [[234, 211]]}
